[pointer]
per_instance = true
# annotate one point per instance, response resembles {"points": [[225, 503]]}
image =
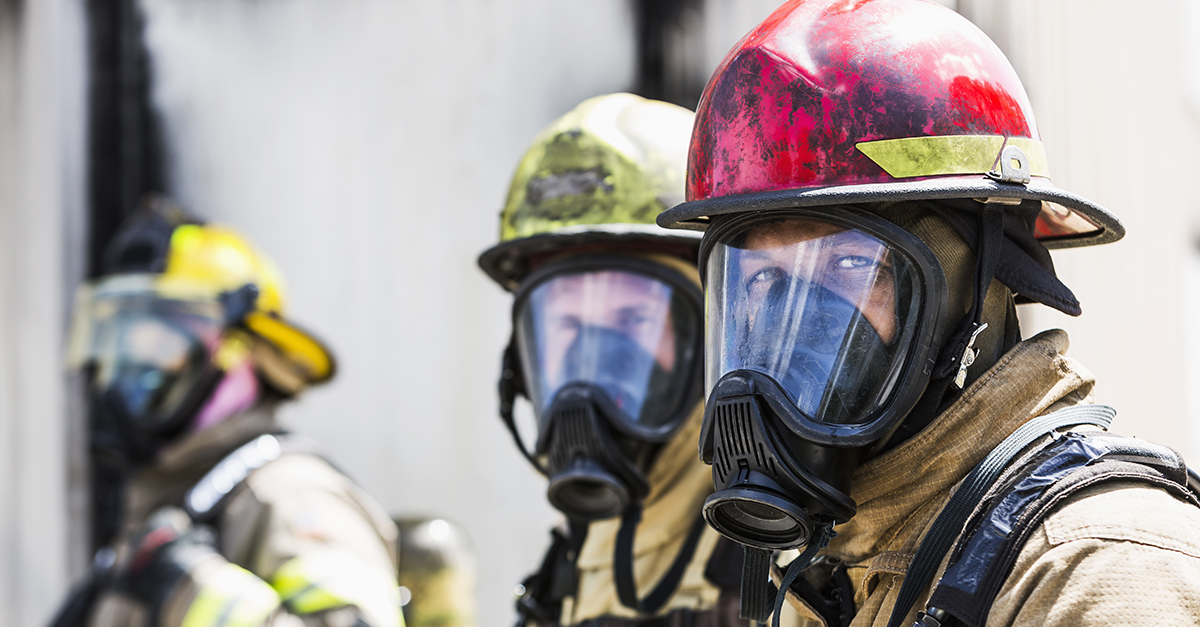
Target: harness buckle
{"points": [[968, 357]]}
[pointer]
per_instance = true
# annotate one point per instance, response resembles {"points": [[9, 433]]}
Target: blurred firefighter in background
{"points": [[437, 574], [876, 199], [227, 518], [607, 324]]}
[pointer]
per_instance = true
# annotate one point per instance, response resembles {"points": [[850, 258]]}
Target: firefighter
{"points": [[226, 518], [876, 200], [607, 324]]}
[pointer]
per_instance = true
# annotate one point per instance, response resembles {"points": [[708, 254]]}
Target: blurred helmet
{"points": [[180, 304], [437, 573]]}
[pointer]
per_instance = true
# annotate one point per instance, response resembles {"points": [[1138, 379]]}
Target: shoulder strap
{"points": [[205, 499], [623, 564], [996, 532], [949, 523], [540, 599]]}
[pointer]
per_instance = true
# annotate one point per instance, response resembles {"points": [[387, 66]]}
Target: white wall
{"points": [[1111, 82], [367, 146], [41, 188]]}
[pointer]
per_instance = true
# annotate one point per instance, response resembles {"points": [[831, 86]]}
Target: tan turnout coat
{"points": [[296, 515], [1114, 554]]}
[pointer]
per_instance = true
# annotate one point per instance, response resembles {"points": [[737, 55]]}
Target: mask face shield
{"points": [[148, 346], [629, 333], [820, 340], [609, 351], [836, 309]]}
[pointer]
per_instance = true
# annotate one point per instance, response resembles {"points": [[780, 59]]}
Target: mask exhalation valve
{"points": [[752, 508], [589, 479]]}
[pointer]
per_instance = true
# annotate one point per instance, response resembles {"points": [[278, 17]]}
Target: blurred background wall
{"points": [[367, 146]]}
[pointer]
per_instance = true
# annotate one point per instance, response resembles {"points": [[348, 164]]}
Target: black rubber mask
{"points": [[821, 327], [609, 356]]}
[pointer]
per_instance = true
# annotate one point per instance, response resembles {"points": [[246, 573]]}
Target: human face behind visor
{"points": [[149, 349], [609, 350], [820, 340], [826, 310], [624, 331]]}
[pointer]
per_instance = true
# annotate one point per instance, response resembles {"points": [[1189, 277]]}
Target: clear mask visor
{"points": [[147, 341], [628, 334], [825, 310]]}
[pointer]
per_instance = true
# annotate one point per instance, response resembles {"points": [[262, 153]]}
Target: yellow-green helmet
{"points": [[597, 176]]}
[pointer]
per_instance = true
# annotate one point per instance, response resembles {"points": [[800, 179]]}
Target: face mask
{"points": [[608, 350], [819, 343], [148, 359]]}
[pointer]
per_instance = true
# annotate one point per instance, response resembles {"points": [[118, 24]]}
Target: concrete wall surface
{"points": [[41, 193], [1114, 88]]}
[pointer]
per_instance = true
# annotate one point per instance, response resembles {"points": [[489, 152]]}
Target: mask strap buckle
{"points": [[968, 356], [959, 352]]}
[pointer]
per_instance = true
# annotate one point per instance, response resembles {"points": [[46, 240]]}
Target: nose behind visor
{"points": [[615, 363], [835, 360]]}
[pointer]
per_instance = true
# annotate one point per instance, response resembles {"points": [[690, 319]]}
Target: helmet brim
{"points": [[508, 262], [696, 215]]}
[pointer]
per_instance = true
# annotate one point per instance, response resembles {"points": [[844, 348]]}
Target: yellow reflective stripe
{"points": [[949, 154], [231, 596], [328, 580]]}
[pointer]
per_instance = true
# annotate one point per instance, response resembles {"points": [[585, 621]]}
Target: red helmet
{"points": [[849, 101]]}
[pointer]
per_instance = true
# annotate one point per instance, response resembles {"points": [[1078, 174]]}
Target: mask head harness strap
{"points": [[510, 386], [959, 352], [623, 564]]}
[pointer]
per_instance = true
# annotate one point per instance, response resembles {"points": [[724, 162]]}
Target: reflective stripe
{"points": [[230, 473], [323, 581], [231, 596], [949, 154]]}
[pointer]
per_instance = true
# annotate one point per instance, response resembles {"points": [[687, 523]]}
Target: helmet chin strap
{"points": [[959, 352]]}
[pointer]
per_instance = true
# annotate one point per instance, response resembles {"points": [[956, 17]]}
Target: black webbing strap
{"points": [[541, 601], [949, 523], [821, 537], [623, 564], [755, 603]]}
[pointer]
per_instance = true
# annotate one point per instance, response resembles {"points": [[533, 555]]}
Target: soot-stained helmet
{"points": [[598, 176], [832, 102]]}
